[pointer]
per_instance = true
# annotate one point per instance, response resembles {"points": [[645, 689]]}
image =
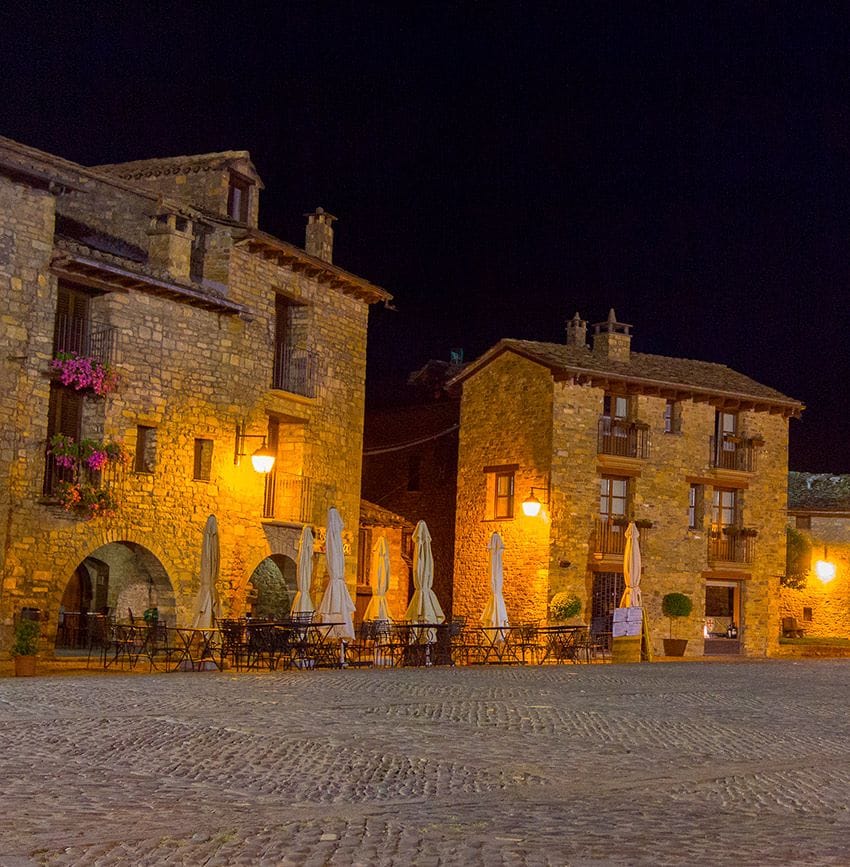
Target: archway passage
{"points": [[273, 587], [117, 582]]}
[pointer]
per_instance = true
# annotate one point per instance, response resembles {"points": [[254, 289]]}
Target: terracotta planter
{"points": [[675, 646], [25, 666]]}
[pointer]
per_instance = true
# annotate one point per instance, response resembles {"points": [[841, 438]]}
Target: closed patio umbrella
{"points": [[302, 603], [495, 614], [208, 604], [631, 569], [380, 580], [337, 605], [424, 606]]}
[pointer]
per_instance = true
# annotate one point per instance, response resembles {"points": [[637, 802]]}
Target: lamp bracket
{"points": [[241, 436]]}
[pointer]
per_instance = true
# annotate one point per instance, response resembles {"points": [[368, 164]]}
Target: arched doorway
{"points": [[273, 587], [117, 582]]}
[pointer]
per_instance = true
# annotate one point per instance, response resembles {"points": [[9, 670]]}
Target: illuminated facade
{"points": [[151, 283], [695, 453]]}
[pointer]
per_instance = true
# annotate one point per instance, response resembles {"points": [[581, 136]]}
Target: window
{"points": [[145, 449], [203, 460], [725, 507], [238, 196], [615, 407], [64, 416], [673, 417], [807, 614], [696, 507], [414, 463], [726, 429], [71, 330], [503, 501], [613, 497]]}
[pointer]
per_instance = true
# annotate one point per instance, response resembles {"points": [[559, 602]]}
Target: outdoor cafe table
{"points": [[500, 644], [418, 639], [195, 648], [562, 643]]}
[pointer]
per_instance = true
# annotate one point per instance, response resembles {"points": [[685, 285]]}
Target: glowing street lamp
{"points": [[262, 460], [531, 505], [825, 570]]}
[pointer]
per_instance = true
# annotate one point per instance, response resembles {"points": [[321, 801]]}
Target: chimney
{"points": [[320, 235], [611, 339], [170, 244], [577, 331]]}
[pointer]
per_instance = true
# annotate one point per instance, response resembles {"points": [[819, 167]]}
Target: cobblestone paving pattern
{"points": [[667, 764]]}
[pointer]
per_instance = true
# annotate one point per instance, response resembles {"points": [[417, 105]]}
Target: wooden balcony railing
{"points": [[295, 370], [288, 497], [86, 337], [628, 439], [731, 545], [610, 537], [733, 453]]}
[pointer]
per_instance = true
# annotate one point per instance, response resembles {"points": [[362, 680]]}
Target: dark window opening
{"points": [[203, 460], [145, 449], [807, 614], [237, 199]]}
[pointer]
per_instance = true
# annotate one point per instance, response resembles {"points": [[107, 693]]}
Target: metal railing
{"points": [[295, 370], [625, 438], [610, 537], [85, 337], [108, 478], [730, 547], [288, 497], [732, 453]]}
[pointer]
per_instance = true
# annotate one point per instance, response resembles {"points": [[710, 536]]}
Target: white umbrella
{"points": [[424, 606], [302, 603], [208, 605], [495, 614], [380, 580], [337, 605], [631, 569]]}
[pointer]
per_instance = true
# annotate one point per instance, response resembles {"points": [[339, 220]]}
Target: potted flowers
{"points": [[85, 373], [675, 605], [25, 646], [81, 491]]}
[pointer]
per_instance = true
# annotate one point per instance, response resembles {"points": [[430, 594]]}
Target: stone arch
{"points": [[272, 586], [122, 579]]}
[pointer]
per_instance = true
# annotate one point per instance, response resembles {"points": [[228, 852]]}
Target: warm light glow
{"points": [[825, 570], [263, 460], [531, 506]]}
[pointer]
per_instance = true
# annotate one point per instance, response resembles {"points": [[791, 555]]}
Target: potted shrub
{"points": [[564, 606], [675, 605], [25, 647]]}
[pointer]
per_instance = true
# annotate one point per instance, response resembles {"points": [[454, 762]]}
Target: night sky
{"points": [[499, 166]]}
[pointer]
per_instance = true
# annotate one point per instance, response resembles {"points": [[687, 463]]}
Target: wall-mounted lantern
{"points": [[262, 459], [825, 570], [531, 505]]}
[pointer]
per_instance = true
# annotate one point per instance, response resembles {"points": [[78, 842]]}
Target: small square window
{"points": [[673, 417], [145, 449], [807, 614], [203, 460]]}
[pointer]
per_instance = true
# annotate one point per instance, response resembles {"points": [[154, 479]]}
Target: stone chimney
{"points": [[170, 244], [577, 331], [320, 235], [612, 339]]}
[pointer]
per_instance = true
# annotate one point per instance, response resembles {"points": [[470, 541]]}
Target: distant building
{"points": [[410, 463], [695, 453], [816, 586], [222, 338]]}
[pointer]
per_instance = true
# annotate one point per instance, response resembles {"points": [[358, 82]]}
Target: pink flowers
{"points": [[84, 373], [83, 492]]}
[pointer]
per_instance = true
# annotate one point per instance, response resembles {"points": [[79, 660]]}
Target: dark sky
{"points": [[499, 166]]}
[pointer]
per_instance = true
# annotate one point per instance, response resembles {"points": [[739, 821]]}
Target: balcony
{"points": [[731, 545], [108, 479], [288, 497], [610, 538], [627, 439], [733, 453], [75, 335], [295, 370]]}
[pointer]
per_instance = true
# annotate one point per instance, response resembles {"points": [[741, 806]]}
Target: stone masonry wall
{"points": [[505, 419]]}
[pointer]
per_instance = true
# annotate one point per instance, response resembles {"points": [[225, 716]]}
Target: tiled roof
{"points": [[371, 514], [137, 169], [643, 369], [818, 492]]}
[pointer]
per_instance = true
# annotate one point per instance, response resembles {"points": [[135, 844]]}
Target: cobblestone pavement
{"points": [[705, 764]]}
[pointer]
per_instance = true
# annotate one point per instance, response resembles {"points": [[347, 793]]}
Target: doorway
{"points": [[723, 626]]}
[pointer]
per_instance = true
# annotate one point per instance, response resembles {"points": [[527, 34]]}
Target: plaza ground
{"points": [[680, 763]]}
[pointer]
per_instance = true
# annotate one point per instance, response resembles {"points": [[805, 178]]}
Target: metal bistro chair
{"points": [[234, 644]]}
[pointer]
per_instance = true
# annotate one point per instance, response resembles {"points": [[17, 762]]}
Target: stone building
{"points": [[695, 453], [410, 464], [816, 587], [208, 339]]}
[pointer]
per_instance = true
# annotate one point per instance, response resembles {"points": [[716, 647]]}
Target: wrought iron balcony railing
{"points": [[731, 545], [78, 336], [108, 478], [628, 439], [733, 453], [288, 497], [295, 370], [610, 537]]}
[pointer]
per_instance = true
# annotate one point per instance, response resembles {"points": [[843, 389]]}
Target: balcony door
{"points": [[73, 315]]}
